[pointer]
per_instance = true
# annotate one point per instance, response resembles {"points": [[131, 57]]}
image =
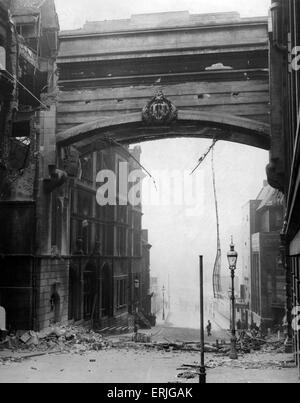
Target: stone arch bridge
{"points": [[213, 69]]}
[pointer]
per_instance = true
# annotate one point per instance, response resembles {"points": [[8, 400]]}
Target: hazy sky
{"points": [[178, 240], [73, 13]]}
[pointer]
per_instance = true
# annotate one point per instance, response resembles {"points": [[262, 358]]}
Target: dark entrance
{"points": [[17, 265], [106, 292], [55, 303], [74, 294], [89, 290]]}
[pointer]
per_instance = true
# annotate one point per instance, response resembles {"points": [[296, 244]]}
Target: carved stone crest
{"points": [[159, 111]]}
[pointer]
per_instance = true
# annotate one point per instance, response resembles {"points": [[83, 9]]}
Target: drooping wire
{"points": [[218, 261], [203, 157]]}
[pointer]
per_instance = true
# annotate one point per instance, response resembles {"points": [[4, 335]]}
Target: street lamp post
{"points": [[202, 375], [163, 291], [232, 260], [229, 298]]}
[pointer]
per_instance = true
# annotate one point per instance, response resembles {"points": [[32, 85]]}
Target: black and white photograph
{"points": [[150, 194]]}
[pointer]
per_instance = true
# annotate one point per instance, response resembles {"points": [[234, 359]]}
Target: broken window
{"points": [[19, 153]]}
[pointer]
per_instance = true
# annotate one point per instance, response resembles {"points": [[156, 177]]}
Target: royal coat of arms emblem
{"points": [[159, 111]]}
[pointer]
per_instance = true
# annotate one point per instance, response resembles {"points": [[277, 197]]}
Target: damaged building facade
{"points": [[63, 256], [284, 168], [263, 289], [31, 47]]}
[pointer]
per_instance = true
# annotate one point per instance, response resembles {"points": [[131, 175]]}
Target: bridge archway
{"points": [[131, 128]]}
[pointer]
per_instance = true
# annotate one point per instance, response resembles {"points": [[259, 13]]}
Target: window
{"points": [[137, 220], [105, 234], [19, 152], [255, 284], [85, 204], [137, 244], [30, 33], [121, 241], [81, 236], [27, 30], [122, 214], [87, 169], [130, 243], [121, 293]]}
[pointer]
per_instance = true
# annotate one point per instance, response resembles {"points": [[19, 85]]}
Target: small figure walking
{"points": [[208, 328]]}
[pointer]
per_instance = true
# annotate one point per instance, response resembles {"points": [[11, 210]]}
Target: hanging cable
{"points": [[27, 90], [203, 157], [218, 261]]}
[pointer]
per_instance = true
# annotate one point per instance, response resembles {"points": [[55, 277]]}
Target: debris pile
{"points": [[74, 339], [248, 343], [143, 341], [256, 361], [169, 346]]}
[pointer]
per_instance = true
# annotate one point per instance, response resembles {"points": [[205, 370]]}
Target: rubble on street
{"points": [[31, 355], [261, 360], [254, 352], [74, 339], [79, 339], [246, 344]]}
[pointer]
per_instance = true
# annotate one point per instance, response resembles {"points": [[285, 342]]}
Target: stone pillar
{"points": [[289, 294], [276, 167]]}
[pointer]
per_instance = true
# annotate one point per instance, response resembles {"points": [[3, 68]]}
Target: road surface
{"points": [[185, 326], [134, 363], [134, 366]]}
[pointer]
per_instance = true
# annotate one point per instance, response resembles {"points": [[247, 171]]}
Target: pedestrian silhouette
{"points": [[208, 328]]}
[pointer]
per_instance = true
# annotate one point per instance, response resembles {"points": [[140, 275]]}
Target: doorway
{"points": [[74, 310], [89, 291], [106, 292]]}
